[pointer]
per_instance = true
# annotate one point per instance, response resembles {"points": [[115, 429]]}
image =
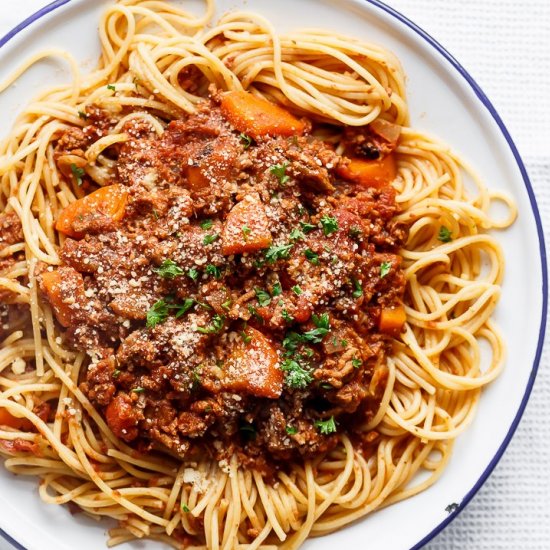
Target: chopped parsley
{"points": [[356, 362], [316, 335], [185, 508], [286, 316], [206, 224], [111, 87], [214, 327], [358, 292], [276, 290], [193, 274], [246, 337], [116, 373], [385, 268], [210, 238], [291, 430], [246, 231], [445, 234], [297, 377], [307, 227], [245, 140], [312, 257], [182, 309], [78, 173], [138, 390], [326, 427], [82, 115], [278, 252], [279, 171], [227, 304], [168, 269], [157, 314], [297, 290], [213, 270], [330, 225], [297, 235], [263, 297]]}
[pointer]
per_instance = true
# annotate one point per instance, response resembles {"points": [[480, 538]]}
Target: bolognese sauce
{"points": [[237, 285]]}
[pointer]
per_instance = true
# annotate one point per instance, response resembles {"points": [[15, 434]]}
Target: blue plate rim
{"points": [[534, 207]]}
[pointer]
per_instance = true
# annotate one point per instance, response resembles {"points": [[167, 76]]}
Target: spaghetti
{"points": [[157, 64]]}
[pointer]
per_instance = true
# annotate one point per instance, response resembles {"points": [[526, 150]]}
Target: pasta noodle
{"points": [[438, 368]]}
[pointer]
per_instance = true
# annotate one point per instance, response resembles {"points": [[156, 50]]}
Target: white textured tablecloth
{"points": [[505, 44]]}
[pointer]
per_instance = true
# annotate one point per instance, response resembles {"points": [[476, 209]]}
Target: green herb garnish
{"points": [[209, 239], [206, 224], [445, 234], [78, 173], [312, 257], [330, 225], [263, 297], [279, 171], [385, 268], [326, 427], [278, 252], [245, 140], [168, 269]]}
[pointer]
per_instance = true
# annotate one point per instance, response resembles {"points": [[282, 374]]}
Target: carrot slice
{"points": [[253, 367], [370, 173], [246, 228], [7, 419], [106, 203], [257, 117], [63, 287], [392, 320]]}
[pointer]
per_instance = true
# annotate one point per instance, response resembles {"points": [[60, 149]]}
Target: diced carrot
{"points": [[7, 419], [107, 202], [370, 173], [122, 418], [257, 117], [246, 228], [392, 320], [253, 367], [63, 287]]}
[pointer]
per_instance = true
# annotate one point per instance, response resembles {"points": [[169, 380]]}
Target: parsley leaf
{"points": [[215, 326], [182, 309], [297, 235], [193, 274], [276, 289], [245, 140], [291, 430], [330, 225], [263, 297], [358, 292], [297, 377], [157, 314], [356, 362], [209, 239], [78, 173], [316, 335], [213, 270], [279, 171], [246, 337], [246, 231], [82, 115], [355, 231], [138, 390], [169, 269], [312, 257], [326, 427], [278, 252], [206, 224], [307, 227], [445, 234], [297, 290], [286, 316], [385, 268], [111, 87], [185, 508]]}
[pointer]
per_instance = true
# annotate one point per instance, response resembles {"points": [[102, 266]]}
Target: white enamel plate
{"points": [[444, 101]]}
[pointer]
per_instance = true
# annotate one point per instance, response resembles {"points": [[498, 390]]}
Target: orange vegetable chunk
{"points": [[246, 228], [257, 117], [63, 288], [370, 173], [7, 419], [253, 367], [392, 320], [107, 203]]}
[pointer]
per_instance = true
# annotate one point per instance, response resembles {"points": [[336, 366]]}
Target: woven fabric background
{"points": [[505, 45]]}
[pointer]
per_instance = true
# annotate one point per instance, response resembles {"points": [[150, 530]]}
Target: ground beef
{"points": [[268, 351]]}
